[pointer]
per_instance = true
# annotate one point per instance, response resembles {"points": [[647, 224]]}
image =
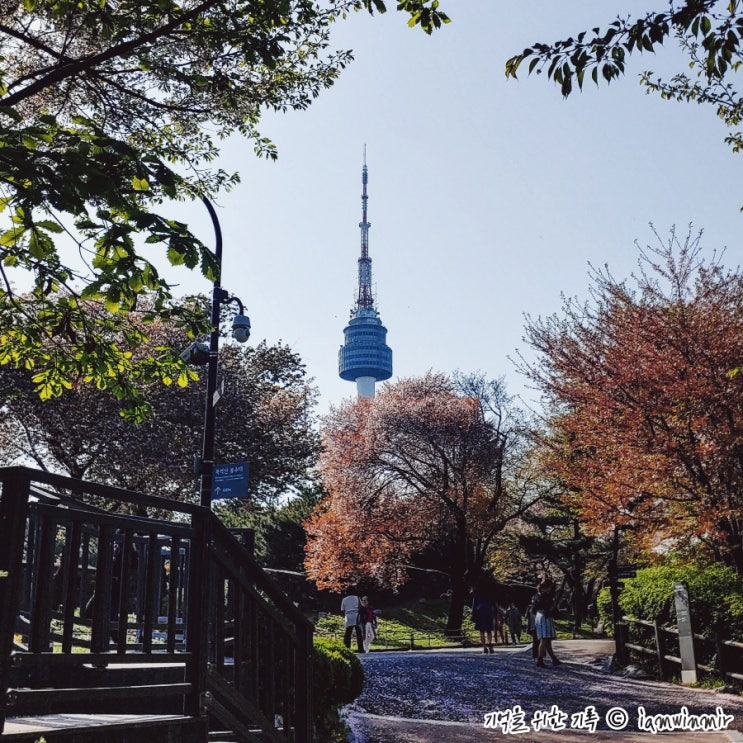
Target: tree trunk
{"points": [[735, 545], [465, 565], [456, 607]]}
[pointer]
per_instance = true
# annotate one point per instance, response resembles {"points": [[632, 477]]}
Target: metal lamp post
{"points": [[241, 332]]}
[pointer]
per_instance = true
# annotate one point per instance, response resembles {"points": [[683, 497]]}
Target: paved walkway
{"points": [[444, 697]]}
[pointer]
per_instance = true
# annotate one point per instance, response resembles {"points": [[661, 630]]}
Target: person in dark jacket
{"points": [[514, 623], [483, 616]]}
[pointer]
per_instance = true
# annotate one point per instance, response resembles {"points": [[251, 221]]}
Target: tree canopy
{"points": [[645, 410], [709, 32], [106, 111], [265, 417], [429, 460]]}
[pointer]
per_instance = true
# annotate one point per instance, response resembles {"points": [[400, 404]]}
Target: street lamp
{"points": [[241, 333]]}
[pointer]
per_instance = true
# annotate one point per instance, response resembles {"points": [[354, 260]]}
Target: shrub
{"points": [[715, 595], [338, 680]]}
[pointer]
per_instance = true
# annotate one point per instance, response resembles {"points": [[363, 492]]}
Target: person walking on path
{"points": [[483, 616], [500, 624], [544, 623], [351, 610], [531, 628], [368, 623], [513, 622]]}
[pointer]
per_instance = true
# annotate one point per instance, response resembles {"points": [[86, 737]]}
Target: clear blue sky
{"points": [[488, 198]]}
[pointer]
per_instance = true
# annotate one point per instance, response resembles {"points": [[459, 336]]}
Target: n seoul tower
{"points": [[365, 357]]}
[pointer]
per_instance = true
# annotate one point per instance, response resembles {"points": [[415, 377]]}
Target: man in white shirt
{"points": [[350, 608]]}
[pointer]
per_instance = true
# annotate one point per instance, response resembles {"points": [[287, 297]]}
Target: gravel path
{"points": [[448, 695]]}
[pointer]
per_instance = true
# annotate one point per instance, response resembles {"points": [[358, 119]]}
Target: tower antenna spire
{"points": [[365, 297], [365, 357]]}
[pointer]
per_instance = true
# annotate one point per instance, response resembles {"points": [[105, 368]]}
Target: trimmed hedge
{"points": [[715, 594], [338, 680]]}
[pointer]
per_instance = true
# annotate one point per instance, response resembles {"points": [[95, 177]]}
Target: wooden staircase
{"points": [[123, 628], [109, 728]]}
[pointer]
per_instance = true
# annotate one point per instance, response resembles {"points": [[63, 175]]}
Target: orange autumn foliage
{"points": [[419, 464], [645, 409]]}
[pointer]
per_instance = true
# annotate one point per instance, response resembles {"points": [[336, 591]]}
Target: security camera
{"points": [[241, 328], [197, 354]]}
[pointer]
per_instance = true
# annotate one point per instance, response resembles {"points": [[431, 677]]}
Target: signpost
{"points": [[230, 480]]}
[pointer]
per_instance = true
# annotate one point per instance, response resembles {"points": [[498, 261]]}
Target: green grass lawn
{"points": [[421, 624], [418, 623], [564, 629]]}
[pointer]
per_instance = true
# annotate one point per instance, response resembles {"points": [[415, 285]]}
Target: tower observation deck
{"points": [[365, 357]]}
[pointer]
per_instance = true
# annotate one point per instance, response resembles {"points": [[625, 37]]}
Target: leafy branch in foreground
{"points": [[709, 33], [603, 52], [107, 110]]}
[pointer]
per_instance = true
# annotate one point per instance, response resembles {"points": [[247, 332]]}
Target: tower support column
{"points": [[365, 386]]}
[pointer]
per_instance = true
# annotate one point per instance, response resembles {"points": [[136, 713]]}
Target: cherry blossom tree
{"points": [[429, 460], [645, 410]]}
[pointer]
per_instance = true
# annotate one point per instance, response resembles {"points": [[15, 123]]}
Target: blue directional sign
{"points": [[230, 480]]}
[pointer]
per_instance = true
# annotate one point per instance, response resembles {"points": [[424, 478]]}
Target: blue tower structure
{"points": [[365, 357]]}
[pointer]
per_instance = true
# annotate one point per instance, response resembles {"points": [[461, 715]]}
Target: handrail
{"points": [[271, 647], [261, 580], [86, 487], [674, 631], [130, 590], [133, 523]]}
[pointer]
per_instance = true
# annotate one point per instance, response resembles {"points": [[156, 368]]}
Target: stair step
{"points": [[72, 728]]}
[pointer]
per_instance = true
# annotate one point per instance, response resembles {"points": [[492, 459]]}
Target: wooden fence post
{"points": [[13, 514], [721, 661], [100, 631], [197, 629], [304, 671], [621, 634], [660, 649]]}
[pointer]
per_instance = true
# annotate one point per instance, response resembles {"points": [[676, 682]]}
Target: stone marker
{"points": [[686, 638]]}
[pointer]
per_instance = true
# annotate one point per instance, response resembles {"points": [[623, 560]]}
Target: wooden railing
{"points": [[650, 640], [102, 611], [260, 669]]}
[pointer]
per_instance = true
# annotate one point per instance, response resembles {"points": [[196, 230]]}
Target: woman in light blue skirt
{"points": [[544, 623]]}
